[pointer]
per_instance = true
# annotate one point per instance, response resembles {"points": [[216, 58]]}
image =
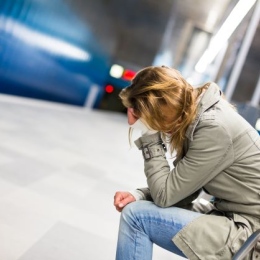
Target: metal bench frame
{"points": [[248, 246]]}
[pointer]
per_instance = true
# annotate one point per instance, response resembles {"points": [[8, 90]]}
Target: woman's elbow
{"points": [[161, 200]]}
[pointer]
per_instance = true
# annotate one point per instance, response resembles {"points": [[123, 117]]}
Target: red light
{"points": [[128, 75], [109, 89]]}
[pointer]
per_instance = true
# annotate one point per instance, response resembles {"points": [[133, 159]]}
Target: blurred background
{"points": [[62, 126], [84, 52]]}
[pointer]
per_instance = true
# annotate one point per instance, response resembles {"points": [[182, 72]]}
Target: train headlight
{"points": [[116, 71]]}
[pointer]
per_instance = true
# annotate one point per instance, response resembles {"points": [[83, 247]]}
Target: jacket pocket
{"points": [[240, 234], [238, 240]]}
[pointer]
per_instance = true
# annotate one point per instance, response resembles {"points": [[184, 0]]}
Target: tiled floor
{"points": [[59, 169]]}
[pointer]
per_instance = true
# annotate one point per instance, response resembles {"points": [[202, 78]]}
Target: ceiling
{"points": [[133, 32]]}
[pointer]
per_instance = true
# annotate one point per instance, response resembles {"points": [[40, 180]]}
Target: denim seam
{"points": [[166, 222], [136, 245]]}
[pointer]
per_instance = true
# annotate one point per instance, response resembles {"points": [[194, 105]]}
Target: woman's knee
{"points": [[135, 209], [130, 209]]}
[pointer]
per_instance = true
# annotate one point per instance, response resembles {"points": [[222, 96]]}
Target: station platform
{"points": [[60, 166]]}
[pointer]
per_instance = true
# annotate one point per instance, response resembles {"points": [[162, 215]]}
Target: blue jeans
{"points": [[142, 223]]}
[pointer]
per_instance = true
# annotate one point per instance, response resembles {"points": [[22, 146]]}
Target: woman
{"points": [[217, 151]]}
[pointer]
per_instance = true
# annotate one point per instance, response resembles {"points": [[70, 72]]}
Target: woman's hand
{"points": [[132, 118], [121, 199]]}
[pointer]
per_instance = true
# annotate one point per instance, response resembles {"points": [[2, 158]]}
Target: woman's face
{"points": [[132, 118]]}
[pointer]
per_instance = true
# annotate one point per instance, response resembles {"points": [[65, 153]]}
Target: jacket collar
{"points": [[211, 96]]}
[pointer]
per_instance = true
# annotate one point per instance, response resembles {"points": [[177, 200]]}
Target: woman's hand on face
{"points": [[122, 198], [132, 118]]}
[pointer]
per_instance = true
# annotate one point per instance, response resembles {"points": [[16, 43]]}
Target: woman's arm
{"points": [[209, 153]]}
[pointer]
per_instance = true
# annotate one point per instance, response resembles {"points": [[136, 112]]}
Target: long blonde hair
{"points": [[165, 101]]}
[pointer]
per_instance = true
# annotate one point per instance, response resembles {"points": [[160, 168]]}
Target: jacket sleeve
{"points": [[209, 153], [184, 202]]}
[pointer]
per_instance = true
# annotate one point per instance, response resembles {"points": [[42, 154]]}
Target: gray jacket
{"points": [[222, 156]]}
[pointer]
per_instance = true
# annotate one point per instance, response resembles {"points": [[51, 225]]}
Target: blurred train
{"points": [[48, 53]]}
